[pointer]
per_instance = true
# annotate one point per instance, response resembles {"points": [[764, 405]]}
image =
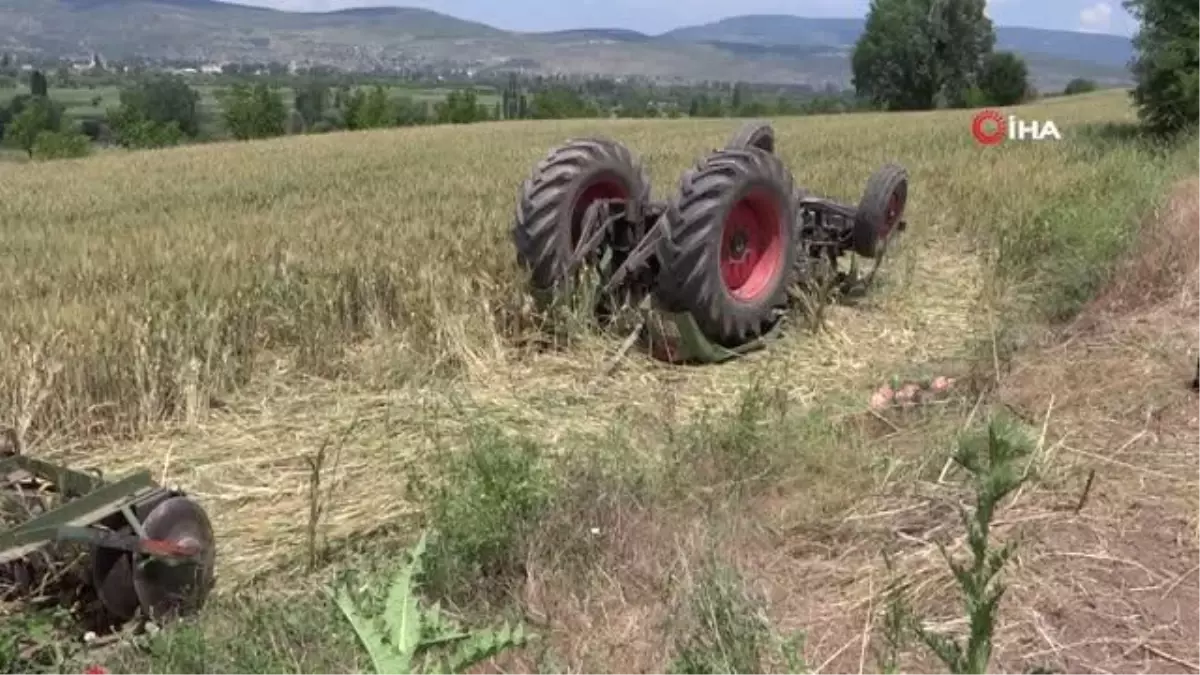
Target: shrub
{"points": [[483, 503], [1079, 85], [61, 145], [1005, 79]]}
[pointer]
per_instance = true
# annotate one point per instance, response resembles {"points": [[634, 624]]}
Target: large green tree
{"points": [[155, 111], [460, 107], [310, 101], [1167, 64], [37, 114], [253, 112], [165, 99], [921, 54], [1004, 80], [376, 111], [38, 86]]}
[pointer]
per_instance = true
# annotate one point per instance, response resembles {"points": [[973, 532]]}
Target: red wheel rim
{"points": [[895, 209], [600, 187], [752, 246]]}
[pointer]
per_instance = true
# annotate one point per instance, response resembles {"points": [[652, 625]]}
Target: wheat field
{"points": [[218, 313]]}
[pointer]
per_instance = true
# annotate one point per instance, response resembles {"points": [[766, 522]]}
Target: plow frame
{"points": [[88, 501], [146, 546]]}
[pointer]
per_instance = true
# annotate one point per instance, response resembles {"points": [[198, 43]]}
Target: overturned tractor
{"points": [[719, 263], [109, 551]]}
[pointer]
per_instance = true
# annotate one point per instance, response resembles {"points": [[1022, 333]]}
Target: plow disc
{"points": [[110, 550], [713, 270], [173, 575]]}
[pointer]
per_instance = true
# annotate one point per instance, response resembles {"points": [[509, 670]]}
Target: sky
{"points": [[656, 16]]}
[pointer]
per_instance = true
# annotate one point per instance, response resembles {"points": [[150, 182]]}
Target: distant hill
{"points": [[773, 29], [603, 34], [1108, 50], [766, 49]]}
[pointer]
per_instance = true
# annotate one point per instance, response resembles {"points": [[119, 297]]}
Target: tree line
{"points": [[913, 55], [158, 110]]}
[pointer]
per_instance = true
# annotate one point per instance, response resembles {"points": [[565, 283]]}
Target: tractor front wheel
{"points": [[756, 134], [880, 210], [553, 200], [727, 258]]}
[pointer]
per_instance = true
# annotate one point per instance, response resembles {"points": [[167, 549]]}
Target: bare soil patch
{"points": [[1113, 587]]}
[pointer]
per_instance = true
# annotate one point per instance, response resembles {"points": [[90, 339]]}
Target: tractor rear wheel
{"points": [[727, 256], [755, 134], [554, 198], [880, 210]]}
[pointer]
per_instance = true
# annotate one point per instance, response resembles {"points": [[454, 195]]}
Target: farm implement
{"points": [[713, 270], [103, 549]]}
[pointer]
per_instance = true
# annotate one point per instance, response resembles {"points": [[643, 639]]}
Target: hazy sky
{"points": [[654, 16]]}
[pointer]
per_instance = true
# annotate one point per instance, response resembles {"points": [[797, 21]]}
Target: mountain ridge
{"points": [[779, 49]]}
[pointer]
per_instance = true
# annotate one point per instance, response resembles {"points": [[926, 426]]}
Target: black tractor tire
{"points": [[733, 217], [755, 134], [880, 210], [553, 199]]}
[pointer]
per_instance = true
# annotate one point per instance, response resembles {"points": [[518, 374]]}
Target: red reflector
{"points": [[162, 547]]}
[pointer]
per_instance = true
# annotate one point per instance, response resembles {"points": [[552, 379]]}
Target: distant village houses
{"points": [[203, 69]]}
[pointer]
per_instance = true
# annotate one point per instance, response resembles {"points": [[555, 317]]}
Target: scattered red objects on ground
{"points": [[909, 393]]}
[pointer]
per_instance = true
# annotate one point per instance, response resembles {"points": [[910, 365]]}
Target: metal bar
{"points": [[107, 498], [597, 221], [69, 481], [132, 519], [127, 542], [828, 207], [645, 249], [86, 510], [97, 537]]}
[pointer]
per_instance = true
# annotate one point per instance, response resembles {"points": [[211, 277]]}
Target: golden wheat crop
{"points": [[148, 285]]}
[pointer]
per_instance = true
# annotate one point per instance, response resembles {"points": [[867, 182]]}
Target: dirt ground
{"points": [[1112, 584]]}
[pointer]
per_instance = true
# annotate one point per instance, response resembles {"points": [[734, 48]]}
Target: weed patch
{"points": [[727, 630], [251, 633], [993, 462], [482, 505]]}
